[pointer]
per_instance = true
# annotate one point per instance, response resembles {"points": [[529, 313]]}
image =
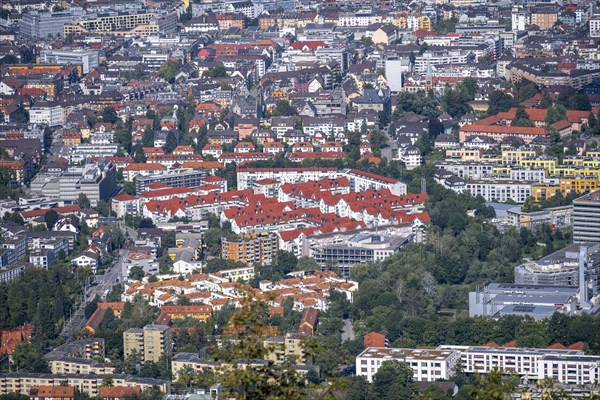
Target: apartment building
{"points": [[123, 24], [427, 365], [12, 251], [23, 382], [522, 361], [500, 190], [586, 218], [47, 113], [573, 369], [151, 342], [286, 348], [185, 177], [252, 248], [564, 186], [246, 177]]}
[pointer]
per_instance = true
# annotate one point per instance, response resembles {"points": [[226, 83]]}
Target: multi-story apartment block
{"points": [[428, 365], [595, 26], [121, 24], [565, 186], [184, 177], [12, 251], [151, 342], [22, 382], [286, 348], [500, 190], [47, 113], [251, 249], [586, 218]]}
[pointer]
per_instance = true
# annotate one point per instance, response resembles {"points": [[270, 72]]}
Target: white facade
{"points": [[595, 26], [428, 365], [88, 59], [500, 191], [51, 115]]}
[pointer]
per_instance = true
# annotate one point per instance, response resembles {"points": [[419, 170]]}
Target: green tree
{"points": [[51, 218], [261, 382], [492, 387], [83, 201], [109, 114], [28, 358], [394, 380], [103, 207], [555, 113], [284, 109], [168, 70], [500, 101], [137, 273], [128, 188], [170, 143]]}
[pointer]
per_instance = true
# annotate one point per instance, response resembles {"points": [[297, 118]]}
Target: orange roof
{"points": [[509, 130], [52, 392], [557, 346], [577, 346], [145, 167], [512, 343], [490, 344], [118, 392]]}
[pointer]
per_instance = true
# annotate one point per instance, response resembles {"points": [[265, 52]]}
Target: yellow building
{"points": [[464, 154], [515, 156], [286, 348], [571, 172], [424, 22], [151, 343], [544, 17], [548, 164], [251, 249], [199, 312], [566, 186], [593, 154], [89, 384]]}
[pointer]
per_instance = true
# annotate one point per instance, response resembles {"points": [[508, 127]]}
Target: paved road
{"points": [[390, 143], [103, 285], [348, 331]]}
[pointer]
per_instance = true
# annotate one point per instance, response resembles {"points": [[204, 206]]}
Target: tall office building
{"points": [[586, 218], [151, 343]]}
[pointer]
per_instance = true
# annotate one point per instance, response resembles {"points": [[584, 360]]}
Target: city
{"points": [[295, 199]]}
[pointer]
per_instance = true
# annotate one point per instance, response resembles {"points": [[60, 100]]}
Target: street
{"points": [[390, 144], [101, 288]]}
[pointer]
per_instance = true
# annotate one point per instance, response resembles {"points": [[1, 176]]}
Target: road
{"points": [[390, 144], [102, 286], [348, 331]]}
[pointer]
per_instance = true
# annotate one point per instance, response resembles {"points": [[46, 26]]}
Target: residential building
{"points": [[586, 218], [427, 364], [47, 113], [151, 343], [22, 382], [251, 249]]}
